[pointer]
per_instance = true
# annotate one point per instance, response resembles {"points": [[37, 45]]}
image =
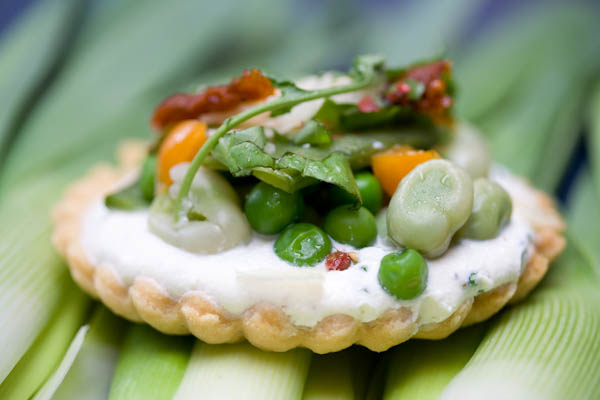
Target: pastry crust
{"points": [[265, 325]]}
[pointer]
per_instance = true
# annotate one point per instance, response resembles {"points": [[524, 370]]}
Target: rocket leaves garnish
{"points": [[348, 117], [129, 198], [138, 194], [243, 150], [313, 133], [290, 167], [285, 166], [367, 71]]}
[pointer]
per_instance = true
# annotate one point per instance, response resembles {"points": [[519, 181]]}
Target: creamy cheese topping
{"points": [[240, 277]]}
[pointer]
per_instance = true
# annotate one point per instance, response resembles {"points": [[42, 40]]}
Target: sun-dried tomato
{"points": [[252, 85], [338, 261], [435, 100]]}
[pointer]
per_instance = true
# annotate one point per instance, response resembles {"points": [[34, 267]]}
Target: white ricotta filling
{"points": [[243, 276]]}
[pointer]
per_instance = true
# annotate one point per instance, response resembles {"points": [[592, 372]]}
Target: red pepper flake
{"points": [[338, 261], [252, 85], [367, 104]]}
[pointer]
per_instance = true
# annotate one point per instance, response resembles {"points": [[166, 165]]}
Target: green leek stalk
{"points": [[528, 100], [48, 349], [329, 377], [339, 376], [54, 381], [243, 371], [583, 208], [421, 369], [88, 375], [583, 205], [533, 117], [151, 365], [34, 282], [29, 53], [420, 30], [22, 72], [594, 138], [495, 62]]}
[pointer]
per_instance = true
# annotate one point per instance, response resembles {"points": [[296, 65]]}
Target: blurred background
{"points": [[79, 76]]}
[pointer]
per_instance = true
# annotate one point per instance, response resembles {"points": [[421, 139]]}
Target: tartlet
{"points": [[326, 304]]}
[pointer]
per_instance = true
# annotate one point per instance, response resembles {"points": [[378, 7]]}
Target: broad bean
{"points": [[431, 203], [492, 208], [214, 220]]}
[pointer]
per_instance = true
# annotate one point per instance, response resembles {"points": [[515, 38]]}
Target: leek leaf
{"points": [[405, 32], [34, 282], [48, 349], [497, 60], [342, 375], [243, 371], [421, 369], [329, 377], [47, 390], [90, 374], [594, 139], [151, 365], [23, 72]]}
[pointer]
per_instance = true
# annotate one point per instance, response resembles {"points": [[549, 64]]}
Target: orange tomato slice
{"points": [[392, 165], [181, 145]]}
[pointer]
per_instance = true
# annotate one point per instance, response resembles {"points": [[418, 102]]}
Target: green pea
{"points": [[302, 245], [403, 274], [352, 226], [492, 208], [370, 191], [431, 203], [148, 178], [269, 209]]}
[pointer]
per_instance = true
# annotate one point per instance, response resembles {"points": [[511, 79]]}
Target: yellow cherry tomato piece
{"points": [[392, 165], [182, 143]]}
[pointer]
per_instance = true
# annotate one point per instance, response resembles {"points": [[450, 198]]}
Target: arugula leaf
{"points": [[286, 179], [243, 152], [367, 71], [334, 169], [129, 198], [148, 177], [288, 90], [140, 193], [330, 112], [313, 132], [291, 167], [359, 148], [347, 117]]}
